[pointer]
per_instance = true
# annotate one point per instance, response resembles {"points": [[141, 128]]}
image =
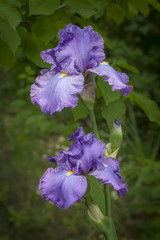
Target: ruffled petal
{"points": [[63, 158], [78, 49], [84, 155], [110, 175], [112, 163], [92, 152], [62, 187], [118, 80], [49, 56], [53, 92], [84, 46], [78, 135]]}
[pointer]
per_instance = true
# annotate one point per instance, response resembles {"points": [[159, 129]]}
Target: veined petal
{"points": [[48, 56], [63, 158], [62, 187], [84, 46], [118, 80], [110, 175], [112, 163], [92, 152], [78, 49], [53, 92]]}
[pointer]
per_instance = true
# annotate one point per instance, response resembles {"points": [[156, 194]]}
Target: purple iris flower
{"points": [[67, 183], [79, 51]]}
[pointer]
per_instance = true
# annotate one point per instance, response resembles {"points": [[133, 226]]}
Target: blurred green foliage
{"points": [[130, 29]]}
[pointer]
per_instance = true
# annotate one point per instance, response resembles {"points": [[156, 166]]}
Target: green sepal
{"points": [[109, 152]]}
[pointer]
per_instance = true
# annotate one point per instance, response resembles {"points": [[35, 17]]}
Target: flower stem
{"points": [[112, 235], [94, 124], [108, 208], [107, 200]]}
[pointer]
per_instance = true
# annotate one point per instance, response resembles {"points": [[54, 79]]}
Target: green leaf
{"points": [[80, 111], [97, 193], [100, 9], [123, 4], [128, 67], [16, 3], [22, 31], [142, 6], [155, 4], [8, 57], [81, 7], [44, 29], [106, 90], [114, 110], [123, 63], [45, 7], [11, 14], [149, 106], [115, 13], [32, 50], [133, 12], [9, 36]]}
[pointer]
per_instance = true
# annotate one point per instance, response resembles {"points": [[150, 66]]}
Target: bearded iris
{"points": [[67, 183], [79, 51]]}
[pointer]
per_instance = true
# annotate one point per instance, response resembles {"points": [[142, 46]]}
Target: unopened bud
{"points": [[116, 135], [95, 213], [100, 222]]}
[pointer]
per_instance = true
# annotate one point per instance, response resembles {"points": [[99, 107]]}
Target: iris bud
{"points": [[97, 219], [95, 213], [116, 135]]}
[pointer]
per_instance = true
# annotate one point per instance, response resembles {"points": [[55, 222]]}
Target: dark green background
{"points": [[131, 32]]}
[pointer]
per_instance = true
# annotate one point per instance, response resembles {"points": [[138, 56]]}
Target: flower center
{"points": [[105, 165], [63, 74], [69, 173]]}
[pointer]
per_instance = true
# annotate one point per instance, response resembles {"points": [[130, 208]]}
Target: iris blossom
{"points": [[67, 183], [79, 51]]}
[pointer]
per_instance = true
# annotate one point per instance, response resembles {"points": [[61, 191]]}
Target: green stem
{"points": [[107, 200], [108, 208], [94, 124], [109, 236], [114, 231], [112, 235]]}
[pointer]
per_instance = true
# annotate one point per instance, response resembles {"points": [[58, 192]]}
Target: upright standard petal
{"points": [[63, 188], [53, 92], [118, 80], [83, 46], [92, 152], [78, 49], [78, 135], [84, 155], [110, 175]]}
